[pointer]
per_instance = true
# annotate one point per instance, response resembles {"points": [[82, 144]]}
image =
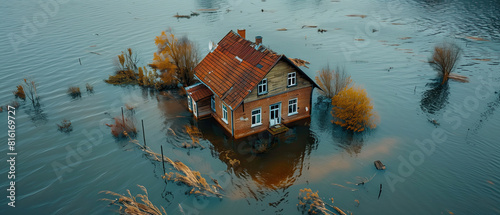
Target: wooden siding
{"points": [[204, 108], [277, 81]]}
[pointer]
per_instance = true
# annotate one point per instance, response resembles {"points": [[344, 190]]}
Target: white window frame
{"points": [[262, 85], [212, 103], [296, 104], [224, 113], [189, 103], [195, 109], [258, 114], [292, 79]]}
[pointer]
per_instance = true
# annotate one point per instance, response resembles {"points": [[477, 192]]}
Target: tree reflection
{"points": [[36, 114], [351, 142], [436, 98]]}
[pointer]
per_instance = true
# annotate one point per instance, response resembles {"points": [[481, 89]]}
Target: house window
{"points": [[292, 79], [189, 102], [262, 87], [292, 107], [213, 103], [256, 117], [224, 113]]}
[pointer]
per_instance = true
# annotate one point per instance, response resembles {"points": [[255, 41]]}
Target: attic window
{"points": [[238, 58], [259, 66]]}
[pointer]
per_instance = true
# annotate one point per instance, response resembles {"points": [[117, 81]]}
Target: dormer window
{"points": [[262, 87], [292, 79]]}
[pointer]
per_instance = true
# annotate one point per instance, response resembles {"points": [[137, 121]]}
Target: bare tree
{"points": [[445, 58], [333, 81]]}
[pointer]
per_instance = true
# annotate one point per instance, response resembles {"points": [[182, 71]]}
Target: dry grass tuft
{"points": [[459, 78], [74, 92], [19, 93], [311, 203], [195, 136], [185, 175], [130, 204], [65, 126], [123, 127]]}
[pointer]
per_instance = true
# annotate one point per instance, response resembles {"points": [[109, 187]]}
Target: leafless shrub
{"points": [[131, 204], [311, 203], [332, 81], [444, 59], [123, 127]]}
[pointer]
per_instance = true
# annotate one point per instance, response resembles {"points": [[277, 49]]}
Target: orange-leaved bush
{"points": [[353, 109]]}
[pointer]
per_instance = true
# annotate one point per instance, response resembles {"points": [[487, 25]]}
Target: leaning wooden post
{"points": [[123, 119], [162, 160], [143, 133]]}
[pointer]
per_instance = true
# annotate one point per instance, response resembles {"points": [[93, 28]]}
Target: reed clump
{"points": [[123, 127], [311, 203], [195, 135], [19, 93], [136, 205], [199, 185], [74, 92], [65, 126]]}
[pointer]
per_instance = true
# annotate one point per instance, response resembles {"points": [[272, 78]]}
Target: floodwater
{"points": [[385, 52]]}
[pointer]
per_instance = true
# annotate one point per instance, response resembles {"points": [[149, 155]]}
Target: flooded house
{"points": [[248, 88]]}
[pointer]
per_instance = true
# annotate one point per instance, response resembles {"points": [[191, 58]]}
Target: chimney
{"points": [[242, 33], [258, 40]]}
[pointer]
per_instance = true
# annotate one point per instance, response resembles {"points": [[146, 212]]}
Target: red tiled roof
{"points": [[198, 92], [235, 68]]}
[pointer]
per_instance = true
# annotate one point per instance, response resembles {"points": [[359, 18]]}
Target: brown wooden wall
{"points": [[277, 80]]}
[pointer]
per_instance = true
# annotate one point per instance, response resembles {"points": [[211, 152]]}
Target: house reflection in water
{"points": [[276, 168]]}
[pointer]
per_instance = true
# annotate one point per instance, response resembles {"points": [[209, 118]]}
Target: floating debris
{"points": [[65, 126], [477, 38], [320, 30], [130, 204], [405, 38], [309, 26], [97, 53], [395, 23], [459, 78], [379, 165], [208, 9], [281, 29], [359, 39], [194, 13], [182, 16], [300, 62], [357, 15], [483, 59]]}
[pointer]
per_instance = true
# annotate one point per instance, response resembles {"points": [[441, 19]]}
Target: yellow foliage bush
{"points": [[353, 109]]}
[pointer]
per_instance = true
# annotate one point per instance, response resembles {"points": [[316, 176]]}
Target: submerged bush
{"points": [[353, 109], [74, 92], [65, 126], [123, 127], [311, 203], [19, 93], [89, 87]]}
